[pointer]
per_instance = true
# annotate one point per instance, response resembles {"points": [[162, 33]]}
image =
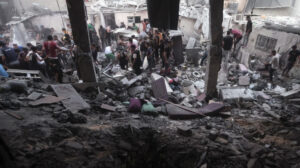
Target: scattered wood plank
{"points": [[74, 101], [290, 93], [34, 96]]}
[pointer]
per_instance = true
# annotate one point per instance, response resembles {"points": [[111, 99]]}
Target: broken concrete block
{"points": [[232, 94], [125, 81], [155, 77], [73, 101], [244, 81], [185, 131], [200, 85], [136, 90], [19, 86], [34, 96], [190, 90], [132, 81], [108, 107], [191, 43]]}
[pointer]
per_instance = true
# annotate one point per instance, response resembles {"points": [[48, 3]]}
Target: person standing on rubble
{"points": [[156, 46], [248, 31], [108, 36], [102, 34], [150, 55], [50, 47], [293, 55], [136, 60], [237, 36], [227, 46], [274, 65], [36, 62]]}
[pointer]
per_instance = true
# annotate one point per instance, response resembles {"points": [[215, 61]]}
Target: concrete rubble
{"points": [[247, 126], [153, 119]]}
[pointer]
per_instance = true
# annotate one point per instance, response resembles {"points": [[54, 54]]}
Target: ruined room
{"points": [[150, 84]]}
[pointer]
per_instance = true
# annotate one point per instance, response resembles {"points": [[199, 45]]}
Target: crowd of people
{"points": [[42, 56], [151, 47]]}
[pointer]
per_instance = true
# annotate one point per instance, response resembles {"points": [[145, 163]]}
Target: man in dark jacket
{"points": [[293, 56]]}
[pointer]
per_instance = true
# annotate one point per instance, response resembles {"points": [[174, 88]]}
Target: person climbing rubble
{"points": [[237, 36]]}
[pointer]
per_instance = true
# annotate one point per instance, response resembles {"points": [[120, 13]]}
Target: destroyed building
{"points": [[80, 90]]}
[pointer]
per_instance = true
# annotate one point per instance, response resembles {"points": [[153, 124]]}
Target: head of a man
{"points": [[248, 18], [15, 46], [50, 38], [294, 47], [274, 52]]}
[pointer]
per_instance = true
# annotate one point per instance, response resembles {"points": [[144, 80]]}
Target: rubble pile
{"points": [[152, 121]]}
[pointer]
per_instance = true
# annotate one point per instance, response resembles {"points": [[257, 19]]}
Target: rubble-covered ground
{"points": [[257, 128]]}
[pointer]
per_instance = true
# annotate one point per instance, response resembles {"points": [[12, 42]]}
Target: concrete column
{"points": [[83, 56], [215, 51]]}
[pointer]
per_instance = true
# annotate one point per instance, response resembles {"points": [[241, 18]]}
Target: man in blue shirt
{"points": [[10, 57]]}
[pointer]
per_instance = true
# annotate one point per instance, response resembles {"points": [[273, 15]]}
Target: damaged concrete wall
{"points": [[50, 4], [284, 41], [285, 11], [50, 21], [123, 17]]}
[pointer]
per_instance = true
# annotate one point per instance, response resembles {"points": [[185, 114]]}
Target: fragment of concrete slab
{"points": [[186, 83], [74, 101], [34, 96], [47, 100], [159, 89], [19, 86], [136, 90], [108, 107], [290, 93], [200, 85], [279, 90], [155, 77], [191, 43], [185, 131], [244, 81], [190, 90], [229, 94], [296, 86], [125, 81], [132, 81]]}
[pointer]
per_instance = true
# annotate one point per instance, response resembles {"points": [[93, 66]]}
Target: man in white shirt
{"points": [[274, 64]]}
